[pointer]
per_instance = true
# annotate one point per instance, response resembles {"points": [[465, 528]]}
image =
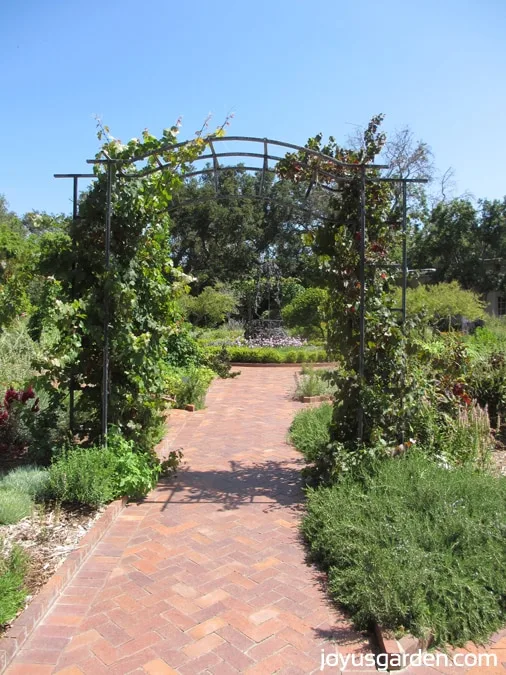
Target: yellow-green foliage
{"points": [[444, 300]]}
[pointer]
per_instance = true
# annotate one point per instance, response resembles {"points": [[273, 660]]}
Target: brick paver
{"points": [[208, 574]]}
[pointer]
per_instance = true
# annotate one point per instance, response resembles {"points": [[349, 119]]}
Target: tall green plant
{"points": [[142, 287], [382, 393]]}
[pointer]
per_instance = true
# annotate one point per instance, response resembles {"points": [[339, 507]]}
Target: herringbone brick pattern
{"points": [[207, 575]]}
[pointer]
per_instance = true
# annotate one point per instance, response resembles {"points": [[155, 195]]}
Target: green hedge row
{"points": [[273, 355]]}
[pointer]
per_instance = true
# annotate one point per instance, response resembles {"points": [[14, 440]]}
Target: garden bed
{"points": [[425, 547], [47, 537], [79, 541]]}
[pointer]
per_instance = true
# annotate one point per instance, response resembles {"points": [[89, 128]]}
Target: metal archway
{"points": [[317, 162]]}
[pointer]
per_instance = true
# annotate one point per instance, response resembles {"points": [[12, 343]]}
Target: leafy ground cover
{"points": [[412, 535], [415, 546]]}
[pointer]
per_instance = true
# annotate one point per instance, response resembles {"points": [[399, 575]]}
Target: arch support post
{"points": [[361, 354], [107, 267]]}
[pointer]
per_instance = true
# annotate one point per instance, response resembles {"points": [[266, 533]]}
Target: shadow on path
{"points": [[274, 483]]}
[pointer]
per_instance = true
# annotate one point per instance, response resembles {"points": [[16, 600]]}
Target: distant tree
{"points": [[465, 243], [306, 313], [15, 251], [225, 235], [22, 264], [210, 308], [406, 157], [450, 243], [38, 223]]}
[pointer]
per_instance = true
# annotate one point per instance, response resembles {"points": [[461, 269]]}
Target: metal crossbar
{"points": [[360, 173]]}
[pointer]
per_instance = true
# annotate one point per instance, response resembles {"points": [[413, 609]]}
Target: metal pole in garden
{"points": [[72, 383], [75, 215], [361, 355], [105, 366], [404, 251], [403, 304]]}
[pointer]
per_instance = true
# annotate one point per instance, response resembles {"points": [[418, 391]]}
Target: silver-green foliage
{"points": [[31, 480], [14, 506], [312, 382], [414, 544]]}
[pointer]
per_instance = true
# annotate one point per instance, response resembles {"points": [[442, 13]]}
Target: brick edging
{"points": [[395, 649], [316, 399], [25, 623]]}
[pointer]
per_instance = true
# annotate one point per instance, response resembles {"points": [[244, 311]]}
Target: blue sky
{"points": [[287, 68]]}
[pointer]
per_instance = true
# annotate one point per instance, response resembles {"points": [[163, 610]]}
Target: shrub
{"points": [[31, 480], [210, 308], [470, 440], [83, 476], [97, 475], [32, 421], [489, 339], [219, 362], [16, 407], [189, 385], [310, 431], [440, 302], [135, 473], [415, 545], [486, 382], [183, 350], [13, 568], [17, 352], [306, 313], [311, 382], [14, 506]]}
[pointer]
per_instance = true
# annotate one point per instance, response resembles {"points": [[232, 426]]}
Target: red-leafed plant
{"points": [[16, 406]]}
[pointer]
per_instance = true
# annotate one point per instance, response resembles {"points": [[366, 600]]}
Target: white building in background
{"points": [[496, 303]]}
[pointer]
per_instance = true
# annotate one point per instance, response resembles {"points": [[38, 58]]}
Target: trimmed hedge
{"points": [[273, 355]]}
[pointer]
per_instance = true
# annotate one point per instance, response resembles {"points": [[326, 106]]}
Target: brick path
{"points": [[208, 574]]}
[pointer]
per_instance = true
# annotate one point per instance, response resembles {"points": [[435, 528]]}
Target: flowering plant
{"points": [[272, 341]]}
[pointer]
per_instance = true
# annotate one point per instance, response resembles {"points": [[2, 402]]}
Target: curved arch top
{"points": [[210, 141]]}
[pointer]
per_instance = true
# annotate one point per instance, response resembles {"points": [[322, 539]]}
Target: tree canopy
{"points": [[226, 236], [465, 242]]}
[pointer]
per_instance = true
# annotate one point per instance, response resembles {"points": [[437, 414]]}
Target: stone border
{"points": [[25, 623], [395, 649]]}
